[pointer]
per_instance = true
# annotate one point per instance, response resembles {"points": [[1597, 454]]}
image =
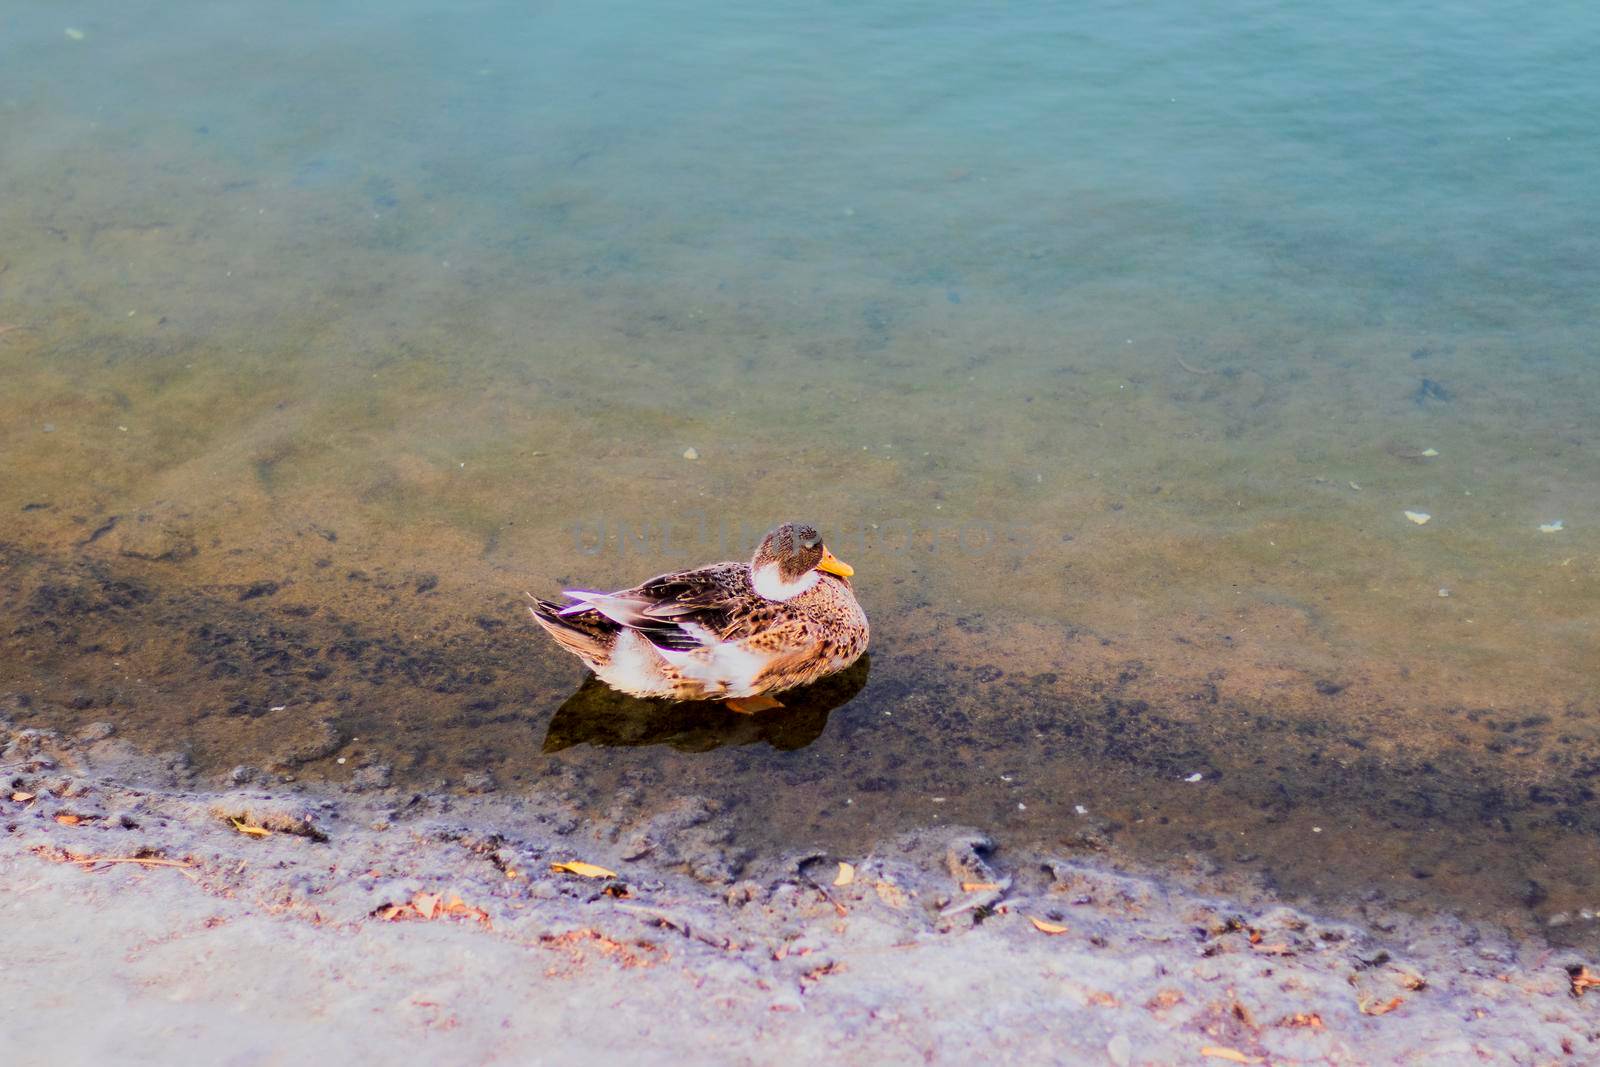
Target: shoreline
{"points": [[316, 935], [994, 720]]}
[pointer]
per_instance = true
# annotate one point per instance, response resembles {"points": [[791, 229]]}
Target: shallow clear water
{"points": [[1109, 345]]}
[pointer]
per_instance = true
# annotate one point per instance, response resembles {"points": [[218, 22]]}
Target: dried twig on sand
{"points": [[94, 863]]}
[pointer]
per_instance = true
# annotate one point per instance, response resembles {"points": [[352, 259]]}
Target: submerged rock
{"points": [[161, 533], [305, 740]]}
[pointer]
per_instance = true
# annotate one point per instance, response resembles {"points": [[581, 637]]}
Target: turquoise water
{"points": [[1111, 344]]}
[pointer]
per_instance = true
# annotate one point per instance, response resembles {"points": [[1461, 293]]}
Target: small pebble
{"points": [[1419, 517], [1552, 527], [1444, 592], [49, 427], [1195, 777], [690, 453]]}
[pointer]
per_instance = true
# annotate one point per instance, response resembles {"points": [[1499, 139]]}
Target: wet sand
{"points": [[392, 922]]}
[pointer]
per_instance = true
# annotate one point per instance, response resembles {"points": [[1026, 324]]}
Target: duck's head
{"points": [[791, 559]]}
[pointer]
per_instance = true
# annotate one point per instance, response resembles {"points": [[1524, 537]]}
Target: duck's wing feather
{"points": [[681, 611]]}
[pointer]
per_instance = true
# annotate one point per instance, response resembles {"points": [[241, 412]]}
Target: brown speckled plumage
{"points": [[709, 633]]}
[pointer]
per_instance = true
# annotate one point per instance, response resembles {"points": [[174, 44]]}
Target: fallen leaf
{"points": [[461, 909], [66, 819], [22, 798], [891, 894], [587, 870], [1047, 927], [254, 831], [1217, 1052], [429, 906], [1583, 979], [846, 875], [979, 887], [1372, 1008]]}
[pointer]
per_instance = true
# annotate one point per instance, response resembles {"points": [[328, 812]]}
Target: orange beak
{"points": [[834, 565]]}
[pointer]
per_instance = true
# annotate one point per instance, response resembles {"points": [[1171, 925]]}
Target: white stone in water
{"points": [[1419, 517], [690, 453]]}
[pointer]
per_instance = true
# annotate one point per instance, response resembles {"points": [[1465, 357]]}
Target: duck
{"points": [[736, 631]]}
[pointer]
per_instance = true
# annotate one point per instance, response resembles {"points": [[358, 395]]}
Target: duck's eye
{"points": [[810, 542]]}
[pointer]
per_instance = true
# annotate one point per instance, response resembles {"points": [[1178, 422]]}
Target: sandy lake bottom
{"points": [[290, 577]]}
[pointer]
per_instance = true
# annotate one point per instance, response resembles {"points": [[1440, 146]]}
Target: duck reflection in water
{"points": [[599, 715]]}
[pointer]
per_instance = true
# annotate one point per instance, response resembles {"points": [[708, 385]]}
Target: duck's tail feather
{"points": [[587, 634]]}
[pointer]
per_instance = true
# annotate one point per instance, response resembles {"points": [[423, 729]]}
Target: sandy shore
{"points": [[143, 924]]}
